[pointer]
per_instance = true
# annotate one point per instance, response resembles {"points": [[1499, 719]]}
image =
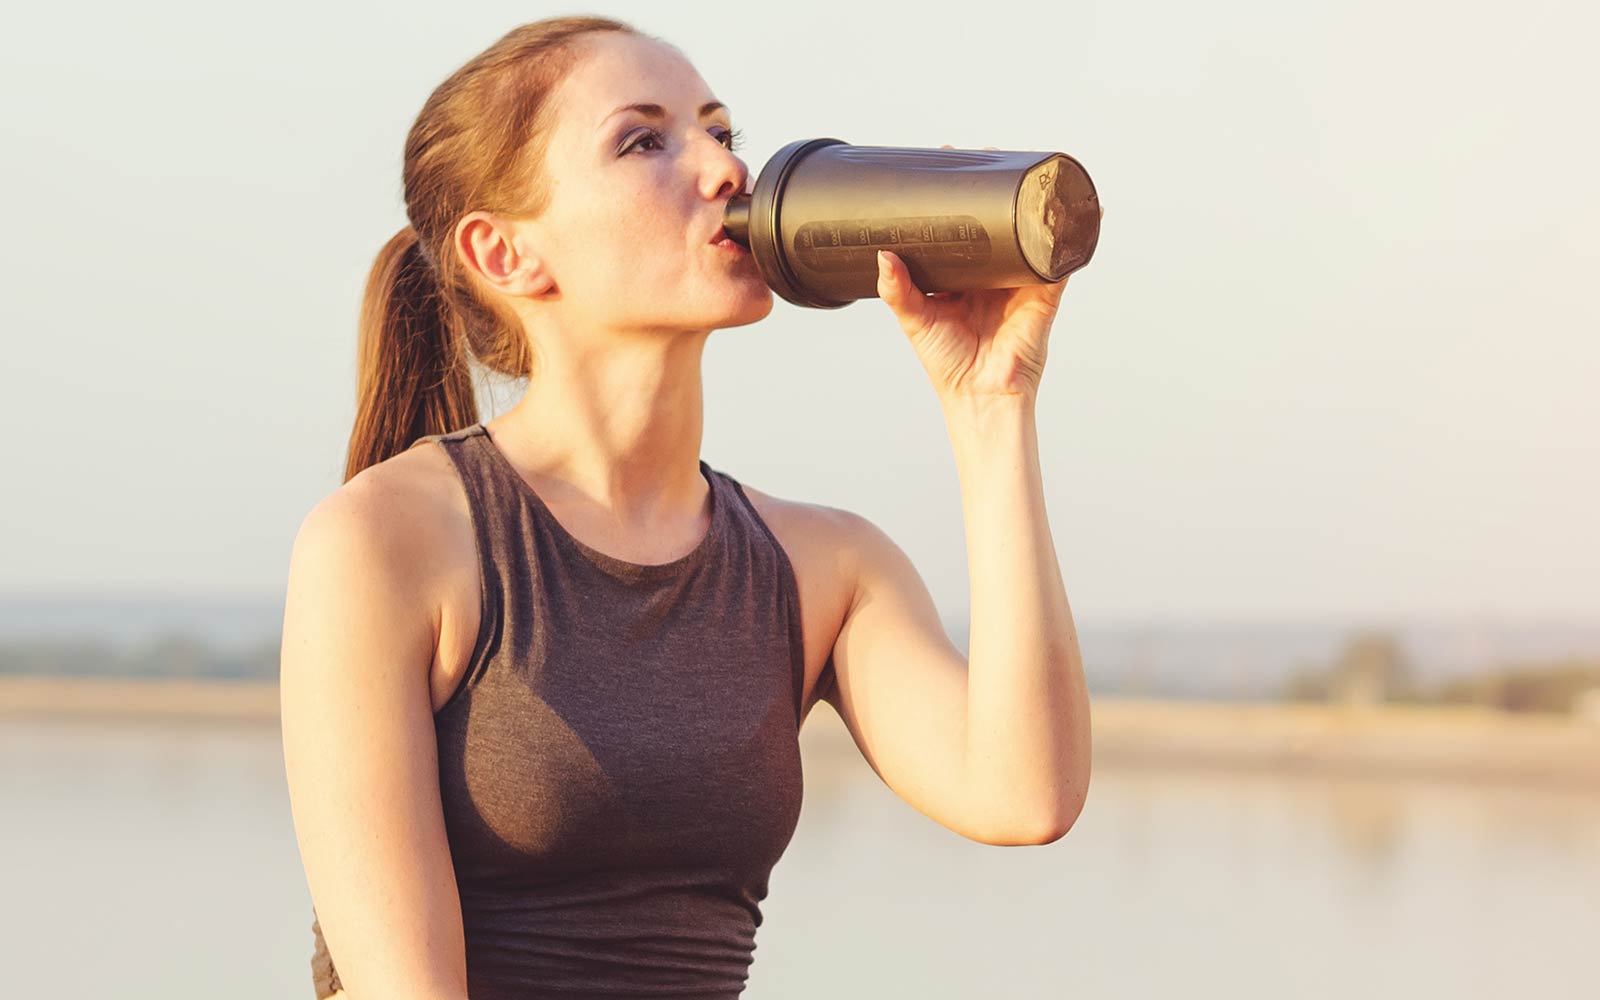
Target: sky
{"points": [[1335, 357]]}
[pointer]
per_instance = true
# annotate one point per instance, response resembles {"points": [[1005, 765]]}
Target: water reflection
{"points": [[168, 852]]}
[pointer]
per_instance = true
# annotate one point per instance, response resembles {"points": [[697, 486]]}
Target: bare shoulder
{"points": [[809, 520], [837, 537], [403, 506], [405, 519], [404, 522], [813, 534]]}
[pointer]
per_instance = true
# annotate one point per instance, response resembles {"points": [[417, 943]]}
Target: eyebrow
{"points": [[657, 111]]}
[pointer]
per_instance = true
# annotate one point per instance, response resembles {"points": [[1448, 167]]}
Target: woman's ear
{"points": [[491, 250]]}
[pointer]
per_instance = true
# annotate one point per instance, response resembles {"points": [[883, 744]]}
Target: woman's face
{"points": [[635, 199]]}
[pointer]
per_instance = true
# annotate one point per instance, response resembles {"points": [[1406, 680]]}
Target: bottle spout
{"points": [[736, 219]]}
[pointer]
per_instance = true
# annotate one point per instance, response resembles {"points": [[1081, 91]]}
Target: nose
{"points": [[725, 176]]}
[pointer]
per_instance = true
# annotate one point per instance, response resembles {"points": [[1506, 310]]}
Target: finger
{"points": [[896, 288], [1052, 292]]}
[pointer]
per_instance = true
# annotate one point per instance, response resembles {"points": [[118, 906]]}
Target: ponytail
{"points": [[412, 377], [477, 144]]}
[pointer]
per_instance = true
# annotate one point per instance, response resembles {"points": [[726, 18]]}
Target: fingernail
{"points": [[883, 265]]}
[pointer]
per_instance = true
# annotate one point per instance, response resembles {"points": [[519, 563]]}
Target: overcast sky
{"points": [[1336, 356]]}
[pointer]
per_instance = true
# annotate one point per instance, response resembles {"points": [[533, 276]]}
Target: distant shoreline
{"points": [[1440, 741], [1437, 741], [140, 698]]}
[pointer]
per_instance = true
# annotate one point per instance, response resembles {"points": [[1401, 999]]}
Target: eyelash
{"points": [[735, 139]]}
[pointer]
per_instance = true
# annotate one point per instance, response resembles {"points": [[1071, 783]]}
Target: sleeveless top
{"points": [[620, 764]]}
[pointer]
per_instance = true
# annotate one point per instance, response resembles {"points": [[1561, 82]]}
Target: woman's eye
{"points": [[654, 137], [729, 138]]}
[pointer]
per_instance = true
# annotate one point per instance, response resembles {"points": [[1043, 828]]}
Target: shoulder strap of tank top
{"points": [[495, 543], [457, 435], [489, 480], [789, 583]]}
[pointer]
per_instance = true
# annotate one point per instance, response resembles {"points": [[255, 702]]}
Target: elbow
{"points": [[1061, 818], [1052, 829], [1057, 827], [1044, 826], [1066, 804], [1031, 834], [1042, 818]]}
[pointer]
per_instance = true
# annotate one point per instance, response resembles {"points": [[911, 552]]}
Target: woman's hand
{"points": [[982, 342]]}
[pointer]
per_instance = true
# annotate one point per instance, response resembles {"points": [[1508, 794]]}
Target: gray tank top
{"points": [[620, 765]]}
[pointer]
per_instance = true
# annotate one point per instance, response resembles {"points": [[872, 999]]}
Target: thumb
{"points": [[903, 297]]}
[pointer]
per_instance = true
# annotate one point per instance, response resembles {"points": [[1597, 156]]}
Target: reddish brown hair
{"points": [[478, 143]]}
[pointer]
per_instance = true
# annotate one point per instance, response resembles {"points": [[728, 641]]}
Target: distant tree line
{"points": [[1373, 669], [171, 655]]}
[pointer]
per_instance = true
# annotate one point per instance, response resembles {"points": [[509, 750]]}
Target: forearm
{"points": [[1027, 746]]}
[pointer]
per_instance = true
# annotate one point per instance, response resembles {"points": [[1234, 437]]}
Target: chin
{"points": [[745, 308]]}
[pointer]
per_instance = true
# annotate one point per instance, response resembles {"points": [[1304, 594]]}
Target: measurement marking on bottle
{"points": [[848, 245]]}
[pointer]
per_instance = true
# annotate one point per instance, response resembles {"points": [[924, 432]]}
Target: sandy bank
{"points": [[1435, 741], [1444, 741], [79, 696]]}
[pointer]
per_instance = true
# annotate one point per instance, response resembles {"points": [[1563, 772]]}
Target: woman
{"points": [[543, 677]]}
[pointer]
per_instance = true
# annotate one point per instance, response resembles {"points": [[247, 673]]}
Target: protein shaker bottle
{"points": [[960, 218]]}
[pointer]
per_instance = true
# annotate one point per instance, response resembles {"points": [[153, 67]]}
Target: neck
{"points": [[614, 426]]}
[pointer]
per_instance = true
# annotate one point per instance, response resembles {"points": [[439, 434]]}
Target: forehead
{"points": [[617, 69]]}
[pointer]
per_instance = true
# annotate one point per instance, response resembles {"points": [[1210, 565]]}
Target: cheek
{"points": [[638, 233], [627, 234]]}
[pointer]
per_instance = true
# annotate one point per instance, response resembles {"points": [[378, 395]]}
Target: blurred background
{"points": [[1318, 432]]}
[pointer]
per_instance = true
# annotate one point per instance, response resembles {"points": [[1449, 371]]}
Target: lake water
{"points": [[145, 859]]}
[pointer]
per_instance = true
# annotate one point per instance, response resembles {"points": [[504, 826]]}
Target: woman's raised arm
{"points": [[360, 749]]}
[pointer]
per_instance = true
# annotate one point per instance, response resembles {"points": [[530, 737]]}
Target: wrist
{"points": [[978, 408], [987, 425]]}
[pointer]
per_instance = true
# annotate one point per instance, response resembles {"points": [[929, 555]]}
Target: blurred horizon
{"points": [[223, 638]]}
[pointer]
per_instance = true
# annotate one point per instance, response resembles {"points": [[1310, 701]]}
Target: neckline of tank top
{"points": [[622, 569]]}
